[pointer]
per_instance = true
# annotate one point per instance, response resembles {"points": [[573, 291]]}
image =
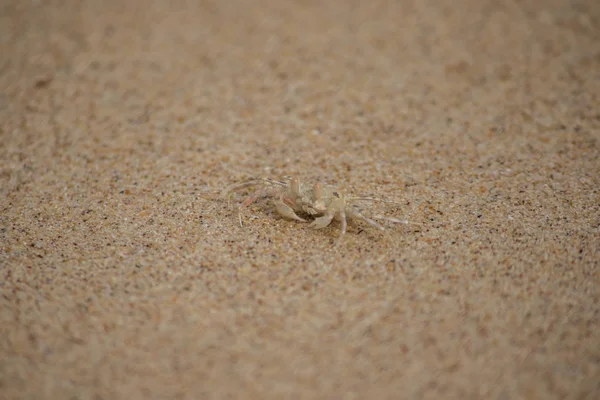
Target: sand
{"points": [[124, 276]]}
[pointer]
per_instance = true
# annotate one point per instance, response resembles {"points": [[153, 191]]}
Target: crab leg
{"points": [[252, 182], [257, 195], [374, 199], [342, 218], [358, 214]]}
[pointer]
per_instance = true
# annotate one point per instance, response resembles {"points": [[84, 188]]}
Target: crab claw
{"points": [[286, 211], [321, 222]]}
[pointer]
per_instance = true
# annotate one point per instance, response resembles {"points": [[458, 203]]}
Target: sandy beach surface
{"points": [[124, 274]]}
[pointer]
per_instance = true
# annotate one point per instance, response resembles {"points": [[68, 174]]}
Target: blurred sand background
{"points": [[121, 279]]}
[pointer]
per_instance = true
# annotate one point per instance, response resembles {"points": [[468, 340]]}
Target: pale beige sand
{"points": [[120, 280]]}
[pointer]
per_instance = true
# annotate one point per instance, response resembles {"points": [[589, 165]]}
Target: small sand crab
{"points": [[319, 204]]}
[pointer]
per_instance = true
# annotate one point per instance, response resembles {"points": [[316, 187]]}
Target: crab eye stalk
{"points": [[318, 190], [295, 185]]}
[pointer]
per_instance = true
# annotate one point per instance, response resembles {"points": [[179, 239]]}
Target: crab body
{"points": [[318, 204]]}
